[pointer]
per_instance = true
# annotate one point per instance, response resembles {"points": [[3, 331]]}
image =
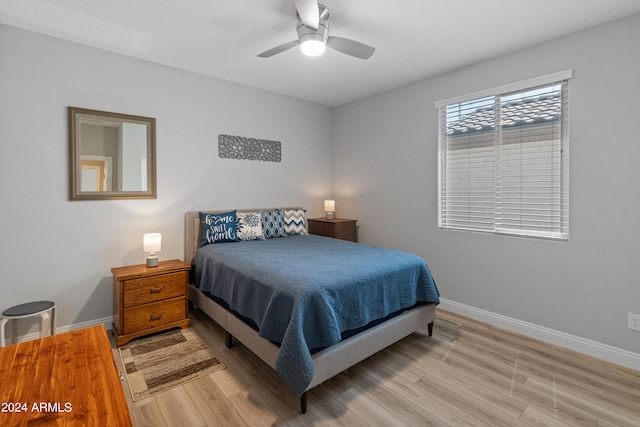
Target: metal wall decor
{"points": [[239, 147]]}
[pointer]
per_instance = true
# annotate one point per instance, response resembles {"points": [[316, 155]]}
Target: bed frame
{"points": [[328, 362]]}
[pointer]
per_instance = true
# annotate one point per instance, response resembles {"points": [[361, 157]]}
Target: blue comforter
{"points": [[302, 292]]}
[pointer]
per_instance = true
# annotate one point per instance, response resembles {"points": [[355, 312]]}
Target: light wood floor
{"points": [[467, 373]]}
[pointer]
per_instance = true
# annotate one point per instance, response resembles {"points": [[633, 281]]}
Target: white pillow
{"points": [[249, 225]]}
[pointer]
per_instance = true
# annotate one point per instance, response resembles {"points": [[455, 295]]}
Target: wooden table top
{"points": [[62, 380]]}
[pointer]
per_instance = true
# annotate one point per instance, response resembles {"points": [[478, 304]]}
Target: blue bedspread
{"points": [[302, 292]]}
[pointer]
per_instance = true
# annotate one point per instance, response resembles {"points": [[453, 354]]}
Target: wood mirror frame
{"points": [[111, 155]]}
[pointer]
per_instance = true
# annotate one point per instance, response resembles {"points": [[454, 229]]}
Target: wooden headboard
{"points": [[192, 230]]}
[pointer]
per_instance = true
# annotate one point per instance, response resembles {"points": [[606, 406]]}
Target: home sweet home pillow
{"points": [[218, 227]]}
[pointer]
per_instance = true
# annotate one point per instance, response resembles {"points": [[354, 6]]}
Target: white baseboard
{"points": [[602, 351], [106, 321]]}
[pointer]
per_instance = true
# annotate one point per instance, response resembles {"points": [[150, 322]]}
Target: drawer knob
{"points": [[156, 289], [155, 316]]}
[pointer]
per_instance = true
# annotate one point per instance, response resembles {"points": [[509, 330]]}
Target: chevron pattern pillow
{"points": [[273, 224], [295, 222]]}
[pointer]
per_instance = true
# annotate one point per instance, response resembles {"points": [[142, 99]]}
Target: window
{"points": [[512, 178]]}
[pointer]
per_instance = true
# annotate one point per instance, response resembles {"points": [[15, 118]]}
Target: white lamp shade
{"points": [[152, 242], [329, 205]]}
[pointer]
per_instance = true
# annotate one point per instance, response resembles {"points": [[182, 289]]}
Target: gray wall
{"points": [[51, 248], [385, 170], [378, 156]]}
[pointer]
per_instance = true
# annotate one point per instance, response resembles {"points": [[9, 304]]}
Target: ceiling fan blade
{"points": [[308, 12], [278, 49], [350, 47]]}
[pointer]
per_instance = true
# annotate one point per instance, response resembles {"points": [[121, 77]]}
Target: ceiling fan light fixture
{"points": [[313, 41], [313, 35], [312, 46]]}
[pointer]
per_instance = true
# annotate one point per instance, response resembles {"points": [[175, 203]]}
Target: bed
{"points": [[308, 306]]}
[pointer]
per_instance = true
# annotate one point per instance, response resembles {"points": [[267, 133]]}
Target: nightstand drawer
{"points": [[338, 228], [155, 288], [345, 229], [152, 315]]}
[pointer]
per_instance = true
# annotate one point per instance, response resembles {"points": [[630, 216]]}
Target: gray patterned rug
{"points": [[159, 362]]}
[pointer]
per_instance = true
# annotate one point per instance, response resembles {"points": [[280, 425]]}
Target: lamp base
{"points": [[330, 215], [152, 261]]}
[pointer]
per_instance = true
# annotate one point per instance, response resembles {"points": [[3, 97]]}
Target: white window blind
{"points": [[511, 178]]}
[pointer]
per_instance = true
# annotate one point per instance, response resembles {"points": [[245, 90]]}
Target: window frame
{"points": [[491, 223]]}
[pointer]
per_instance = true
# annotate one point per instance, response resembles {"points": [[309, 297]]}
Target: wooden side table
{"points": [[62, 380], [338, 228], [149, 299]]}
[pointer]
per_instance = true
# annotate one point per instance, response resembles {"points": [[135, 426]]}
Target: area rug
{"points": [[159, 362]]}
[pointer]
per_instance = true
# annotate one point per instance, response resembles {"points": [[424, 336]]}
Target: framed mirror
{"points": [[111, 155]]}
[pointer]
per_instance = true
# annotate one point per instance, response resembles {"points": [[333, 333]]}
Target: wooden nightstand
{"points": [[149, 299], [339, 228]]}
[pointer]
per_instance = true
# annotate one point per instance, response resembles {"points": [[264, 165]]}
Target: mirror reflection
{"points": [[112, 155]]}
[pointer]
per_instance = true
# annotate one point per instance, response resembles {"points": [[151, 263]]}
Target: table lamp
{"points": [[152, 243], [330, 208]]}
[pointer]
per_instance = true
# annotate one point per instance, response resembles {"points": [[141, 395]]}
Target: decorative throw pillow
{"points": [[295, 222], [249, 225], [273, 224], [218, 227]]}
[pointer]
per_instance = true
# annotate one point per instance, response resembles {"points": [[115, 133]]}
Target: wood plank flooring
{"points": [[467, 374]]}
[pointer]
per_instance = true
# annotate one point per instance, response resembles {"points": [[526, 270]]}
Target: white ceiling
{"points": [[414, 39]]}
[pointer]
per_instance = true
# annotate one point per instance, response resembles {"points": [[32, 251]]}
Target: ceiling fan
{"points": [[313, 34]]}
